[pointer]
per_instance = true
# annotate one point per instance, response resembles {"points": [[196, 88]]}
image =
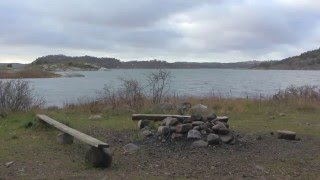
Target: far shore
{"points": [[27, 73]]}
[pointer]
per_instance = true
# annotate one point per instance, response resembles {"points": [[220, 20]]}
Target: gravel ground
{"points": [[258, 156]]}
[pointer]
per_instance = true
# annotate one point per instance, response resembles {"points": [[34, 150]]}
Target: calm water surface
{"points": [[224, 82]]}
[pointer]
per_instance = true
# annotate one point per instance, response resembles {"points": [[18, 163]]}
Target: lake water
{"points": [[224, 82]]}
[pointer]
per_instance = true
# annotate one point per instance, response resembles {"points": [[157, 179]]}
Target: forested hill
{"points": [[112, 63], [309, 60], [71, 61]]}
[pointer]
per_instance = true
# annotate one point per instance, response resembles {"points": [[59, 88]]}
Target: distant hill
{"points": [[53, 62], [309, 60]]}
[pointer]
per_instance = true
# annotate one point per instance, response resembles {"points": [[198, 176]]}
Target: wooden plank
{"points": [[155, 117], [77, 134]]}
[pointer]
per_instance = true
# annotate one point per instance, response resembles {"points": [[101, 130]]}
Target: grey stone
{"points": [[188, 120], [95, 117], [172, 128], [223, 131], [183, 128], [233, 142], [199, 144], [170, 121], [218, 126], [211, 116], [226, 138], [196, 117], [146, 133], [143, 123], [199, 108], [130, 148], [194, 134], [203, 132], [204, 126], [64, 138], [213, 139], [9, 163], [176, 136], [197, 123], [163, 130], [288, 135], [222, 118], [196, 128]]}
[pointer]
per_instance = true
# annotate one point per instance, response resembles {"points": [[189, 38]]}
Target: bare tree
{"points": [[159, 83]]}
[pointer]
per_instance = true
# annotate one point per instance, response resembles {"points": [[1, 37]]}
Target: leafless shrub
{"points": [[17, 95], [109, 96], [87, 103], [159, 83], [131, 93], [310, 93]]}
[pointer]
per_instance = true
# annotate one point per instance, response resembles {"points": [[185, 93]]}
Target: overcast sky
{"points": [[172, 30]]}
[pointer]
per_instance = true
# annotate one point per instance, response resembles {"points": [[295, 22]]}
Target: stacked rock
{"points": [[203, 130]]}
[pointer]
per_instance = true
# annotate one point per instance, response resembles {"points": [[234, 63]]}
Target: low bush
{"points": [[16, 95]]}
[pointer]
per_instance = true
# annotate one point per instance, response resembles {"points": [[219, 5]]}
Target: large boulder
{"points": [[183, 128], [194, 134], [213, 139], [199, 144], [169, 121], [288, 135]]}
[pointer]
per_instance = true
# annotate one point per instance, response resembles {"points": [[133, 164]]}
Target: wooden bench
{"points": [[99, 154]]}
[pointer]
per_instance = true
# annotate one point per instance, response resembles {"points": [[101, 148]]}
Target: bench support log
{"points": [[64, 138], [99, 154], [99, 157]]}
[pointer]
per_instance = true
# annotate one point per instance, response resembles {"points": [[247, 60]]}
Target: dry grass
{"points": [[27, 73]]}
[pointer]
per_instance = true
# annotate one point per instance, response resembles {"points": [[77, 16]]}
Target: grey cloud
{"points": [[180, 29]]}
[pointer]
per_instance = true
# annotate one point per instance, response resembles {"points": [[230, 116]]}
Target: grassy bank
{"points": [[29, 144], [26, 73]]}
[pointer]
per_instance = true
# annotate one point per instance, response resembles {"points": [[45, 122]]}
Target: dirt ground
{"points": [[258, 156]]}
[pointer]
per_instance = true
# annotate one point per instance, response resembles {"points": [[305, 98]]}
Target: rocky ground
{"points": [[167, 150], [261, 156]]}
